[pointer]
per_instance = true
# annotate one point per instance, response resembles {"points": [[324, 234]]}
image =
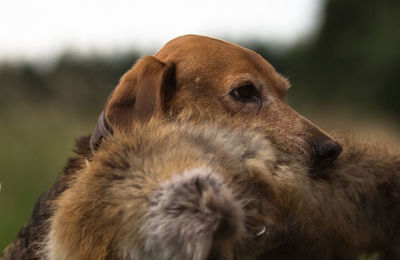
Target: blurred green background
{"points": [[346, 75]]}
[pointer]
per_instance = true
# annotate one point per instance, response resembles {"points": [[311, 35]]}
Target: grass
{"points": [[35, 144]]}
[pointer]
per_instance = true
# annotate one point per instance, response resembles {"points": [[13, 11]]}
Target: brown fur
{"points": [[353, 210], [198, 74], [343, 210], [105, 208], [201, 73]]}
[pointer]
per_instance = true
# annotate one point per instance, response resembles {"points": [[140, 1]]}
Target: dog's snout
{"points": [[326, 152]]}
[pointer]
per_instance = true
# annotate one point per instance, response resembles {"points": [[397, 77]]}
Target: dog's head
{"points": [[222, 80]]}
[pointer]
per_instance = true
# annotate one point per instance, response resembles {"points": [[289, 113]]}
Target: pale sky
{"points": [[41, 29]]}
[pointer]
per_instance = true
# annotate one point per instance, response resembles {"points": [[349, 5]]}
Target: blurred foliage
{"points": [[350, 62], [73, 83], [354, 59]]}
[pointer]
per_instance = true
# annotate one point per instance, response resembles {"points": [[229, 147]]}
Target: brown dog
{"points": [[221, 80], [215, 79]]}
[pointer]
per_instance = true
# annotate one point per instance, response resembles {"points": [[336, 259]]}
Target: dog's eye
{"points": [[246, 93]]}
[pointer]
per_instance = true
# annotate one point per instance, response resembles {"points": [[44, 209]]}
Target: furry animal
{"points": [[167, 191], [354, 210], [202, 190], [321, 218], [205, 191]]}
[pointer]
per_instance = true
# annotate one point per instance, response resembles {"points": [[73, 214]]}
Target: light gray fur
{"points": [[187, 214]]}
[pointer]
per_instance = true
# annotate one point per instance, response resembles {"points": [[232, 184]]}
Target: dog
{"points": [[214, 79], [220, 79]]}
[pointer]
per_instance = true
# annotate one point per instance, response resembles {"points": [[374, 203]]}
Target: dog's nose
{"points": [[326, 152]]}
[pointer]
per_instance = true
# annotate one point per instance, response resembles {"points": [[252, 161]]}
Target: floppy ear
{"points": [[141, 93]]}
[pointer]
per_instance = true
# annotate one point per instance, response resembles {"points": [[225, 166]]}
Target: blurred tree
{"points": [[352, 59], [21, 82], [80, 83], [355, 55]]}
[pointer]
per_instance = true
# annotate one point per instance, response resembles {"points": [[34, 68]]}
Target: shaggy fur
{"points": [[338, 211], [187, 212], [201, 191], [354, 209], [165, 192]]}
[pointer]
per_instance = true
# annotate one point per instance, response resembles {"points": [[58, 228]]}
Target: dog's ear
{"points": [[142, 93]]}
